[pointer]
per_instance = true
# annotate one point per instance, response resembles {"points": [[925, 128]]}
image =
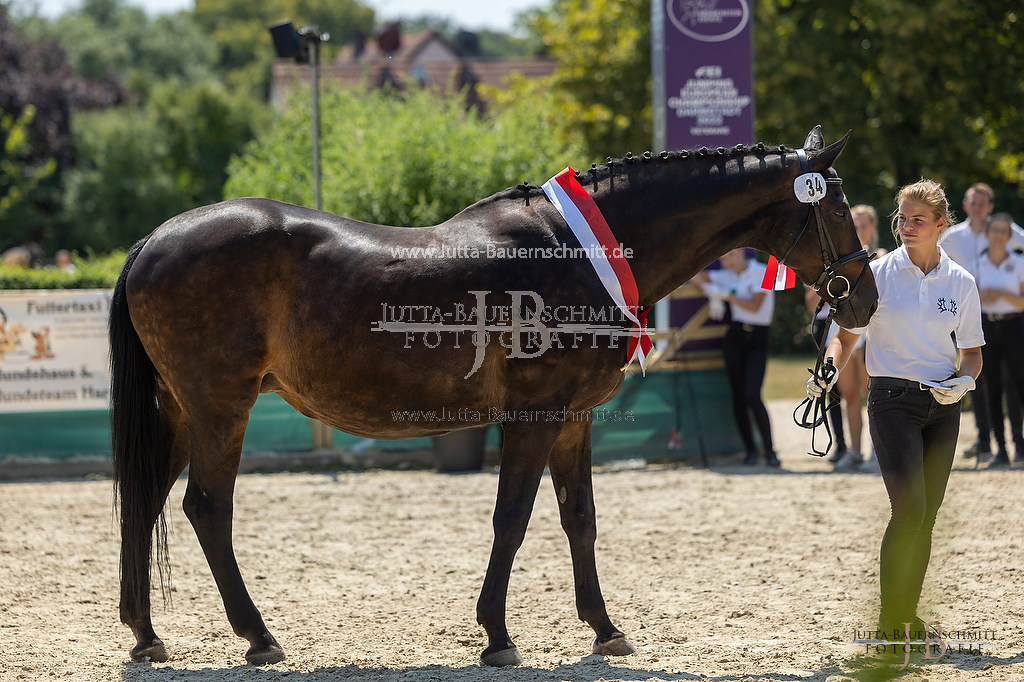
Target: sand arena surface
{"points": [[728, 574]]}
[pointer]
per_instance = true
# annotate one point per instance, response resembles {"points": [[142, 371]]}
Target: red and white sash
{"points": [[584, 218]]}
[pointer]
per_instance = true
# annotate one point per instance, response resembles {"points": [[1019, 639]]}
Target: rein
{"points": [[815, 411]]}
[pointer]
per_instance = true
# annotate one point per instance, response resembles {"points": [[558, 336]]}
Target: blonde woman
{"points": [[925, 300]]}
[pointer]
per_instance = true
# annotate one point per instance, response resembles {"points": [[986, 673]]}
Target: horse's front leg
{"points": [[524, 451], [570, 468], [209, 507]]}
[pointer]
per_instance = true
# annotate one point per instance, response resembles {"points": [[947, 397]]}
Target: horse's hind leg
{"points": [[216, 451], [570, 468], [524, 451], [135, 598]]}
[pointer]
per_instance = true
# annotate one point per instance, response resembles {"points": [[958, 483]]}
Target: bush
{"points": [[410, 160], [95, 272]]}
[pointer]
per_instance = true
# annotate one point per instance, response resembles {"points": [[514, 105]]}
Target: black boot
{"points": [[1001, 460]]}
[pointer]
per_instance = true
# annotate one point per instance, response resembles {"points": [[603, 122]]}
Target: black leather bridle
{"points": [[815, 411], [830, 258]]}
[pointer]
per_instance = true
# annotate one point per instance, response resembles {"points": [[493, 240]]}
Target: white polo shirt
{"points": [[967, 248], [908, 337], [1007, 276], [745, 285]]}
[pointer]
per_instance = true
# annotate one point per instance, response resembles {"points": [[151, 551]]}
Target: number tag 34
{"points": [[809, 188]]}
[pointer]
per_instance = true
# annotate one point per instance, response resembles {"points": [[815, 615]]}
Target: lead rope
{"points": [[815, 410]]}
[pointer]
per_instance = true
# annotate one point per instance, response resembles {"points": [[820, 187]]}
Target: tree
{"points": [[36, 75], [141, 164], [18, 175], [928, 90], [204, 125], [412, 161], [118, 192], [111, 41], [240, 31], [603, 78]]}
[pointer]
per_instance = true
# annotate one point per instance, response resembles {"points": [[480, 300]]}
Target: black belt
{"points": [[1001, 317], [893, 382], [747, 327]]}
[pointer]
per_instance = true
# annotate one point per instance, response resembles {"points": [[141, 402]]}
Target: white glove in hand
{"points": [[716, 299], [954, 390], [818, 386], [716, 307]]}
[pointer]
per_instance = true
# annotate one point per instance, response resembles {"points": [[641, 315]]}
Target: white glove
{"points": [[818, 386], [716, 295], [954, 390], [716, 307]]}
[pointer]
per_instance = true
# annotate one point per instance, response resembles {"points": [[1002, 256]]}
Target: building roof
{"points": [[423, 59]]}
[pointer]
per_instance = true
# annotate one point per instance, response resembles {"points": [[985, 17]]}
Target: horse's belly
{"points": [[403, 419]]}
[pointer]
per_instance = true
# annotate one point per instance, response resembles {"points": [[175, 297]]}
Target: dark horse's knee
{"points": [[579, 526], [509, 529], [196, 504]]}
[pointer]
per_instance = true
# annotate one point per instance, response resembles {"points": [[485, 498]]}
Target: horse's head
{"points": [[822, 247]]}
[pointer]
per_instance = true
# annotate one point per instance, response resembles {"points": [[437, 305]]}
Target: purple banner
{"points": [[703, 73]]}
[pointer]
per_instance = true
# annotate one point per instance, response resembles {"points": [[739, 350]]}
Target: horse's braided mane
{"points": [[598, 171], [683, 154]]}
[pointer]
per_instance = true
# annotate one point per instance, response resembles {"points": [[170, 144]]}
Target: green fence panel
{"points": [[696, 403], [57, 435]]}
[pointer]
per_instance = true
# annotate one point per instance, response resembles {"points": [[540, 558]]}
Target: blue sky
{"points": [[470, 14]]}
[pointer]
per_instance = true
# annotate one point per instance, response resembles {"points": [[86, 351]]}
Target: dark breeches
{"points": [[915, 440], [745, 350]]}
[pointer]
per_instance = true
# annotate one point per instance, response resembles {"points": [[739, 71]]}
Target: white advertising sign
{"points": [[54, 350]]}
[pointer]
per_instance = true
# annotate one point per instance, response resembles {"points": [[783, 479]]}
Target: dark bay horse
{"points": [[249, 296]]}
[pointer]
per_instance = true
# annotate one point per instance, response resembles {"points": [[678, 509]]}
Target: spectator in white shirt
{"points": [[965, 243], [1001, 284], [745, 347]]}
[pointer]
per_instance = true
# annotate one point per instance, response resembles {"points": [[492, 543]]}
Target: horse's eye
{"points": [[840, 214]]}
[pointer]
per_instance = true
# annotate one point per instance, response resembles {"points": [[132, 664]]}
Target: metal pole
{"points": [[323, 438], [314, 86]]}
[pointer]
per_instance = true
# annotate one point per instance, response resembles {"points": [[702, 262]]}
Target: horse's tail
{"points": [[141, 453]]}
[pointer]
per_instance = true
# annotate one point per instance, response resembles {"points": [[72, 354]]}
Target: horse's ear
{"points": [[828, 156], [814, 141]]}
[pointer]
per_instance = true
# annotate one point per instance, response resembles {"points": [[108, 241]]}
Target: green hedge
{"points": [[93, 272]]}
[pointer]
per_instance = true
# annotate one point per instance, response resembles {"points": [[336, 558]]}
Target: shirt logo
{"points": [[947, 306]]}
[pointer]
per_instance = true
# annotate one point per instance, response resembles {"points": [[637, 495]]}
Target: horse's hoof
{"points": [[616, 646], [500, 659], [151, 651], [264, 656]]}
